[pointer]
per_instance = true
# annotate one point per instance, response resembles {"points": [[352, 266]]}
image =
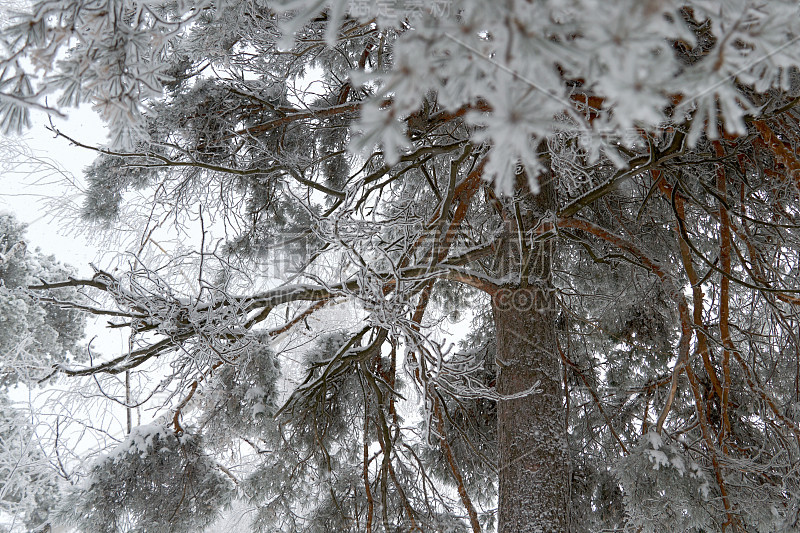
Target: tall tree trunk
{"points": [[534, 459]]}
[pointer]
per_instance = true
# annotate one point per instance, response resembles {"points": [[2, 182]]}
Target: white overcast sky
{"points": [[35, 188], [32, 188]]}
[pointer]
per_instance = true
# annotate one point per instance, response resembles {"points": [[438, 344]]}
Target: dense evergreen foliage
{"points": [[607, 191], [35, 335]]}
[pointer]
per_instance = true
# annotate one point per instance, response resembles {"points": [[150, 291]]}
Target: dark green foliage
{"points": [[108, 179], [240, 400], [154, 482], [34, 335]]}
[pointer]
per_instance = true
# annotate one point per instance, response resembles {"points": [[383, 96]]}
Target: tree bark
{"points": [[532, 438]]}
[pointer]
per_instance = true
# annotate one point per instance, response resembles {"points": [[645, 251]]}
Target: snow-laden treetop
{"points": [[519, 71]]}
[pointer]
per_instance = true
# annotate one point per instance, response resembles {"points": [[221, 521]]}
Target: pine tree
{"points": [[34, 335], [609, 189]]}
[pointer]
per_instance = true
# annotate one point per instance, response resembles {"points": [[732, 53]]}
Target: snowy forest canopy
{"points": [[306, 195]]}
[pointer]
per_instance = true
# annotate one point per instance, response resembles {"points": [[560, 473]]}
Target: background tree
{"points": [[571, 172], [34, 336]]}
